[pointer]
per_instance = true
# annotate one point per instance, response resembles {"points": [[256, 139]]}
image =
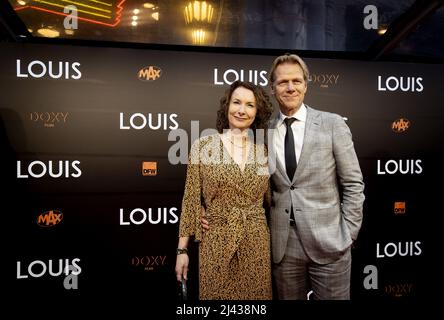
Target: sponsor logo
{"points": [[159, 121], [54, 169], [323, 80], [49, 119], [150, 73], [148, 263], [399, 290], [39, 268], [149, 169], [400, 249], [399, 207], [151, 215], [399, 166], [405, 84], [55, 70], [258, 77], [400, 125], [50, 218]]}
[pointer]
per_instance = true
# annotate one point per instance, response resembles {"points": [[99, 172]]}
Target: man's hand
{"points": [[203, 221]]}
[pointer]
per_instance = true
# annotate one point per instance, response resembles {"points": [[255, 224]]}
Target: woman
{"points": [[225, 175]]}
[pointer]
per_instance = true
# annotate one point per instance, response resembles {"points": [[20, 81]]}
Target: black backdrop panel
{"points": [[78, 124]]}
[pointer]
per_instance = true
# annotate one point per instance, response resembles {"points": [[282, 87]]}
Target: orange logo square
{"points": [[399, 207], [149, 168]]}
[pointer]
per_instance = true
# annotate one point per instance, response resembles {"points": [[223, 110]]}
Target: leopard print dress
{"points": [[234, 255]]}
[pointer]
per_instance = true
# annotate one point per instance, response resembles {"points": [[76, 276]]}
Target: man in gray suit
{"points": [[317, 191]]}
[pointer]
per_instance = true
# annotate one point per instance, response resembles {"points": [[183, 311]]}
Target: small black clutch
{"points": [[183, 290]]}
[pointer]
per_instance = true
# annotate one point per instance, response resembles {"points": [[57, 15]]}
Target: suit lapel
{"points": [[272, 150], [311, 131]]}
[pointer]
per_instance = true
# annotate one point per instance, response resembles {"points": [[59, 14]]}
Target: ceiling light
{"points": [[155, 16], [198, 36], [382, 28], [148, 5], [198, 11], [48, 32], [134, 23], [136, 11]]}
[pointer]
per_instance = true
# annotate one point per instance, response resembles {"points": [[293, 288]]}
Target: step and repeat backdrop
{"points": [[91, 203]]}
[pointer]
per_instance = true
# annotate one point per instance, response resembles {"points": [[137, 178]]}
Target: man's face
{"points": [[289, 87]]}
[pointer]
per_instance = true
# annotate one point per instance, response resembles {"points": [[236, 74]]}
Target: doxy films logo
{"points": [[49, 119]]}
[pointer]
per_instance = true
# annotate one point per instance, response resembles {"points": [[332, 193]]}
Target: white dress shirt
{"points": [[298, 128]]}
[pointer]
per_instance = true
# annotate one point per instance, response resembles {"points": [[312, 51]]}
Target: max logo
{"points": [[400, 125], [50, 218], [150, 73]]}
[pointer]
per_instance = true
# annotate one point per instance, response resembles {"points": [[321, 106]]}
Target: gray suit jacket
{"points": [[326, 192]]}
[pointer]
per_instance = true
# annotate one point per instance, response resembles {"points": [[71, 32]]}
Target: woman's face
{"points": [[242, 109]]}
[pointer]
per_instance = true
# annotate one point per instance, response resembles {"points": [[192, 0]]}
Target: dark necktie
{"points": [[290, 155]]}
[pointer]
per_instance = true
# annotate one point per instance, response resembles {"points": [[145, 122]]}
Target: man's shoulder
{"points": [[325, 115]]}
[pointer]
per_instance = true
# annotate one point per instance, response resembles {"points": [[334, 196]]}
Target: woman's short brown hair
{"points": [[263, 105]]}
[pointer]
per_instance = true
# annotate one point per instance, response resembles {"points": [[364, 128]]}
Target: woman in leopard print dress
{"points": [[228, 174]]}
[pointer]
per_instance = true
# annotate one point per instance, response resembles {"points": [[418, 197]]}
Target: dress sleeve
{"points": [[191, 204]]}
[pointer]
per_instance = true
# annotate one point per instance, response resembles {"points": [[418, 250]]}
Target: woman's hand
{"points": [[182, 261]]}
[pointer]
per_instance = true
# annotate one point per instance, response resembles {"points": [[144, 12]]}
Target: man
{"points": [[317, 191], [312, 230]]}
